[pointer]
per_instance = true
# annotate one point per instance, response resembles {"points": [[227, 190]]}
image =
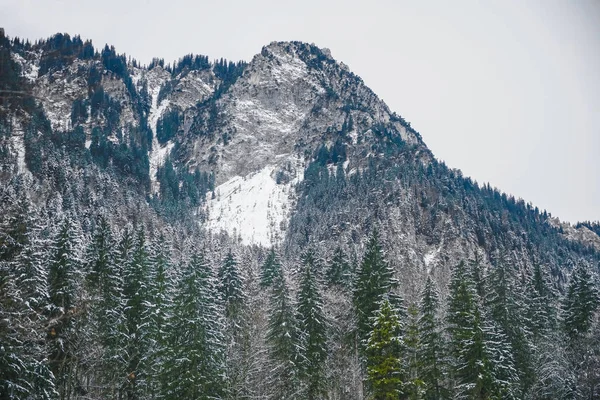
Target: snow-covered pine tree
{"points": [[104, 283], [63, 328], [383, 355], [541, 312], [505, 303], [472, 370], [338, 270], [271, 269], [580, 304], [374, 280], [283, 342], [194, 358], [159, 304], [136, 339], [231, 287], [313, 330], [23, 302], [432, 350], [580, 319]]}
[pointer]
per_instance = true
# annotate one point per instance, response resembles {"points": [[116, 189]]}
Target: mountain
{"points": [[290, 150], [266, 141]]}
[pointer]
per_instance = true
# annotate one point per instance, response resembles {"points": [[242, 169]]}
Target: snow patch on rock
{"points": [[254, 208]]}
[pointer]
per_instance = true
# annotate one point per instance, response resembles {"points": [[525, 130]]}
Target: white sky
{"points": [[507, 91]]}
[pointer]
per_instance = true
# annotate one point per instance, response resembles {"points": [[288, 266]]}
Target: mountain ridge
{"points": [[229, 121]]}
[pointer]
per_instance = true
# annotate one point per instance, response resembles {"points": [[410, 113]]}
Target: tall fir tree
{"points": [[136, 317], [283, 343], [313, 330], [105, 283], [477, 349], [580, 304], [374, 280], [505, 303], [159, 305], [271, 269], [432, 350], [63, 332], [338, 270], [383, 355], [231, 286], [195, 356]]}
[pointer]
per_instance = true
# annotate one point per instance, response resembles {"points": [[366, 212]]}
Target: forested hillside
{"points": [[265, 230]]}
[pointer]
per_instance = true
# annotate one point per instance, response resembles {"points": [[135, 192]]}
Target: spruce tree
{"points": [[231, 287], [194, 356], [338, 270], [136, 317], [283, 342], [24, 368], [473, 359], [313, 330], [384, 363], [63, 331], [160, 305], [580, 304], [506, 304], [104, 281], [432, 349], [271, 269], [374, 280]]}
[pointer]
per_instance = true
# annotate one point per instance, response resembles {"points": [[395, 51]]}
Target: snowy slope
{"points": [[254, 208]]}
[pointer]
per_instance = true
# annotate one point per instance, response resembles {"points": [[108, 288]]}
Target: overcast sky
{"points": [[506, 91]]}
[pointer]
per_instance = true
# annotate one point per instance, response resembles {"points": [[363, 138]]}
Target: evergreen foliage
{"points": [[384, 351], [313, 330], [283, 342], [374, 280]]}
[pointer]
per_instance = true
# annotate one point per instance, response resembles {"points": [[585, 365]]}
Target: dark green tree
{"points": [[384, 350], [374, 280], [283, 343], [432, 349], [338, 270], [313, 330], [195, 356], [271, 269], [231, 287]]}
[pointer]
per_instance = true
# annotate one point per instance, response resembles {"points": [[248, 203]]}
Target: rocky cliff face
{"points": [[291, 149]]}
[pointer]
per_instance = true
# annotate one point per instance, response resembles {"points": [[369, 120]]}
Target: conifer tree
{"points": [[313, 330], [159, 307], [541, 314], [506, 305], [384, 363], [580, 326], [282, 339], [432, 351], [63, 330], [231, 287], [105, 283], [338, 270], [194, 358], [374, 280], [135, 314], [472, 358], [414, 386], [24, 368], [580, 304], [271, 269]]}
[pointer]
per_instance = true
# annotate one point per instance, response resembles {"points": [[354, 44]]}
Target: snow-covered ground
{"points": [[253, 208]]}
